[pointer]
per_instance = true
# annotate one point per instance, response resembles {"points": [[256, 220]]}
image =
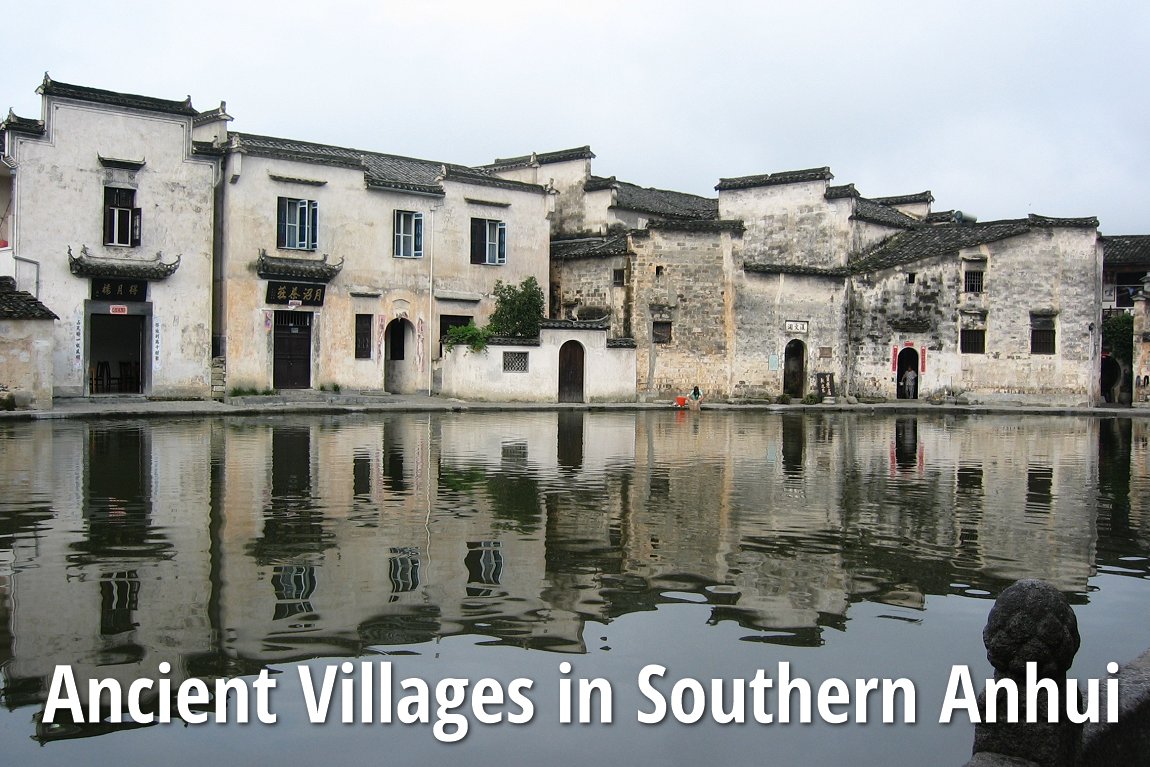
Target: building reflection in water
{"points": [[245, 542]]}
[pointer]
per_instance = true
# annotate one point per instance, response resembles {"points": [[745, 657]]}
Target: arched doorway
{"points": [[571, 372], [907, 385], [795, 369], [399, 373]]}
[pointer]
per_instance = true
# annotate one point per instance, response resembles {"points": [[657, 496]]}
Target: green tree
{"points": [[1118, 338], [518, 309]]}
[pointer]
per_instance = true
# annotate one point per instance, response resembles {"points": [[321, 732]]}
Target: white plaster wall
{"points": [[791, 223], [357, 225], [58, 203], [609, 374], [26, 359]]}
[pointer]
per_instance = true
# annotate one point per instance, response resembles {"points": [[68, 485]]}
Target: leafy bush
{"points": [[470, 335], [518, 309], [783, 399], [812, 399]]}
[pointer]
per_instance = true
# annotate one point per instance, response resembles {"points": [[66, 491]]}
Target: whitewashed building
{"points": [[108, 222], [343, 268]]}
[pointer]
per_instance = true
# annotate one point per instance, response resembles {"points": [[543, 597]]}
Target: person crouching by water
{"points": [[695, 398]]}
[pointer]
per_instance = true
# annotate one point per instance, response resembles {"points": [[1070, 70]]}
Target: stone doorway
{"points": [[907, 362], [795, 369]]}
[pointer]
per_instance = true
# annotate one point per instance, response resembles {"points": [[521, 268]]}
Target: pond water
{"points": [[545, 549]]}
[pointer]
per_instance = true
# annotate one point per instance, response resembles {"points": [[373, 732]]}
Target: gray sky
{"points": [[999, 108]]}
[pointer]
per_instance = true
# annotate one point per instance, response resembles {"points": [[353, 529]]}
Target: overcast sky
{"points": [[999, 108]]}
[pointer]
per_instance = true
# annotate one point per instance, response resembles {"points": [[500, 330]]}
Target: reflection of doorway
{"points": [[116, 353], [571, 372], [906, 442], [570, 439], [795, 369], [399, 367], [291, 364], [907, 361]]}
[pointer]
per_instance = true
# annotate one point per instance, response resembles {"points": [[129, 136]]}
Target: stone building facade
{"points": [[787, 284]]}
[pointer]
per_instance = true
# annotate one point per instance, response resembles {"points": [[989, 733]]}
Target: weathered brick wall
{"points": [[765, 304], [888, 312], [791, 224], [685, 278], [1048, 270], [586, 283]]}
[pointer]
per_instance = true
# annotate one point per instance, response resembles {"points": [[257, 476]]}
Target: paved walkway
{"points": [[114, 406]]}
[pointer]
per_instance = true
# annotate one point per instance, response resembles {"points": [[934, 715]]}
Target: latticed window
{"points": [[972, 341], [1042, 337], [972, 281], [515, 362], [363, 336], [661, 332]]}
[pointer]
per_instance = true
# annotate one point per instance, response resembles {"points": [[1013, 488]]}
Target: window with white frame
{"points": [[408, 234], [297, 224], [121, 217], [488, 241]]}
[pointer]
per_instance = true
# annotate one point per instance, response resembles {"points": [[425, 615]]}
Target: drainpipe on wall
{"points": [[431, 299]]}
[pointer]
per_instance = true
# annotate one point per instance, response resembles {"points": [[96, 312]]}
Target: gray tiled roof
{"points": [[602, 323], [18, 124], [663, 202], [287, 268], [21, 305], [906, 199], [873, 212], [381, 171], [714, 225], [87, 265], [840, 192], [542, 158], [813, 271], [773, 179], [929, 241], [51, 87], [590, 247], [1126, 250]]}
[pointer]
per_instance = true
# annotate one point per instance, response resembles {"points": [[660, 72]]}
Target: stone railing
{"points": [[1031, 622]]}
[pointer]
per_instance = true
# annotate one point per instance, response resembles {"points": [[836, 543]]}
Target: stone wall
{"points": [[684, 284], [1049, 272]]}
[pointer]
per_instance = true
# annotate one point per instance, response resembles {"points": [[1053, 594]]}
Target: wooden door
{"points": [[291, 364], [571, 372]]}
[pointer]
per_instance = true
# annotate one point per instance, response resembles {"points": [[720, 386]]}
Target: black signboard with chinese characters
{"points": [[825, 382], [295, 293], [107, 289]]}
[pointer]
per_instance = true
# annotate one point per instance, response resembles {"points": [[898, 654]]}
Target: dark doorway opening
{"points": [[907, 378], [116, 353], [291, 355], [795, 369], [571, 372]]}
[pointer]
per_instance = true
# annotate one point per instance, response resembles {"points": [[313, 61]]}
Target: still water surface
{"points": [[503, 545]]}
